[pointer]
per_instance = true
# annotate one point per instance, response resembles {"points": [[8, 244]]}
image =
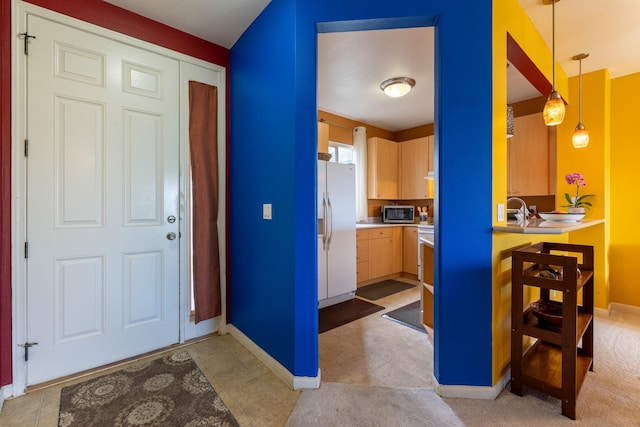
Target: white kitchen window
{"points": [[341, 153]]}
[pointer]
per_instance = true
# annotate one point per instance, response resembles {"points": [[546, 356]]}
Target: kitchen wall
{"points": [[594, 163], [340, 130], [625, 204]]}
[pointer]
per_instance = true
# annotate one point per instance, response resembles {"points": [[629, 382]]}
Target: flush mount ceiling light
{"points": [[580, 136], [554, 109], [397, 86]]}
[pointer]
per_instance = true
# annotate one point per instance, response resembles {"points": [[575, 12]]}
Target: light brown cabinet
{"points": [[378, 252], [362, 255], [381, 252], [530, 171], [396, 248], [323, 137], [410, 250], [382, 169], [427, 287], [416, 160], [397, 170]]}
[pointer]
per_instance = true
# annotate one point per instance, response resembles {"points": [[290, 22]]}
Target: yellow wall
{"points": [[625, 204], [593, 162], [509, 17]]}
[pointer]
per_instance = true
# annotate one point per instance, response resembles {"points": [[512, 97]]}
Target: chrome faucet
{"points": [[523, 213]]}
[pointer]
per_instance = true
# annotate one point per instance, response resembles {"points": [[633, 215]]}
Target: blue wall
{"points": [[273, 271]]}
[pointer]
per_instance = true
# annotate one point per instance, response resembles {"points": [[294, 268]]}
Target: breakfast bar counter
{"points": [[540, 226]]}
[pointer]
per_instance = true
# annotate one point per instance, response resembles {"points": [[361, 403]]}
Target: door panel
{"points": [[102, 174]]}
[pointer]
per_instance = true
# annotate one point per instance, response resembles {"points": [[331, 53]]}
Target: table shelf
{"points": [[562, 350]]}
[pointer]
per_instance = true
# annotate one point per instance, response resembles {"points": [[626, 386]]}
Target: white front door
{"points": [[102, 200]]}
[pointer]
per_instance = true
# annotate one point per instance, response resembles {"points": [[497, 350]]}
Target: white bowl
{"points": [[563, 217]]}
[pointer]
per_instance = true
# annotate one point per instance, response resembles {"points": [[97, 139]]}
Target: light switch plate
{"points": [[500, 211], [266, 211]]}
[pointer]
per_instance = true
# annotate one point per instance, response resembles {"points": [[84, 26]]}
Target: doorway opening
{"points": [[351, 67]]}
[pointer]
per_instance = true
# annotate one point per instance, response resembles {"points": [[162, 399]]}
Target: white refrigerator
{"points": [[336, 233]]}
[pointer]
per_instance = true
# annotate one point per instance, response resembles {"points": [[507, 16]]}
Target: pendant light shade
{"points": [[580, 136], [554, 109], [510, 121]]}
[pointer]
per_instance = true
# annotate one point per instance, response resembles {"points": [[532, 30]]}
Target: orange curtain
{"points": [[203, 142]]}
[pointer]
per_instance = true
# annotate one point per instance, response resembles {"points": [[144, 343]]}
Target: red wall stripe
{"points": [[115, 18], [5, 192], [527, 68], [105, 15]]}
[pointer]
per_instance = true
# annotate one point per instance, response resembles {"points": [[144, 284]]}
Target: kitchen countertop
{"points": [[361, 225], [426, 241], [540, 226]]}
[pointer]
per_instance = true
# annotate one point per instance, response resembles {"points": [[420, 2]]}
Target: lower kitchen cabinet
{"points": [[362, 255], [410, 250], [378, 252]]}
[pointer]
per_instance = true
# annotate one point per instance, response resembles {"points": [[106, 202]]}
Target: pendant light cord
{"points": [[580, 93], [553, 44]]}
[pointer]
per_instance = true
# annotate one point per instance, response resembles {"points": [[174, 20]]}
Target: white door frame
{"points": [[188, 330]]}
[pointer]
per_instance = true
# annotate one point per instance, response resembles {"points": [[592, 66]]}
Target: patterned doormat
{"points": [[170, 391]]}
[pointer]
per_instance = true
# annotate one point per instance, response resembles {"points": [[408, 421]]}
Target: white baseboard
{"points": [[472, 392], [5, 392], [624, 308], [604, 312], [296, 383]]}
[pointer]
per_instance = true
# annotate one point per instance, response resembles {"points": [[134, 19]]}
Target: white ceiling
{"points": [[219, 21], [352, 65]]}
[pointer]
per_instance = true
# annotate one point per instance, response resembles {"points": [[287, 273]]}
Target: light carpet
{"points": [[610, 395], [336, 404]]}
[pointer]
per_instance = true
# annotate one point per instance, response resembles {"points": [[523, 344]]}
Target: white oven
{"points": [[424, 231]]}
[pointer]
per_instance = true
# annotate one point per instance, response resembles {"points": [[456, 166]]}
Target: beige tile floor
{"points": [[369, 351]]}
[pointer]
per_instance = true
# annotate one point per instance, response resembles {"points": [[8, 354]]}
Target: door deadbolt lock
{"points": [[171, 236], [171, 219]]}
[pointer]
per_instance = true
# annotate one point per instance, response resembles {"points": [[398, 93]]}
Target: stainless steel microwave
{"points": [[398, 214]]}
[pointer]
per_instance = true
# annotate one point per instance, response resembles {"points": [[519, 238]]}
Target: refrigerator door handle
{"points": [[330, 210], [324, 221]]}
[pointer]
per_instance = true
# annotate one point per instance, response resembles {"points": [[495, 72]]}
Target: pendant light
{"points": [[554, 109], [580, 136], [510, 121], [510, 116]]}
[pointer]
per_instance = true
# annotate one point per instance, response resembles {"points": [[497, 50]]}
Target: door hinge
{"points": [[26, 249], [26, 148], [25, 36], [26, 347]]}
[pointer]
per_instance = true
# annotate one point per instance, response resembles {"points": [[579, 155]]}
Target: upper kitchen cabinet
{"points": [[531, 170], [382, 169], [416, 160], [323, 137]]}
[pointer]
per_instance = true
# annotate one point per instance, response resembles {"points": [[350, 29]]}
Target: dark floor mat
{"points": [[408, 315], [382, 289], [343, 313]]}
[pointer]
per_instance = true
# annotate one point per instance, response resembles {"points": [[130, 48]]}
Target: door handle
{"points": [[171, 236], [330, 210]]}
